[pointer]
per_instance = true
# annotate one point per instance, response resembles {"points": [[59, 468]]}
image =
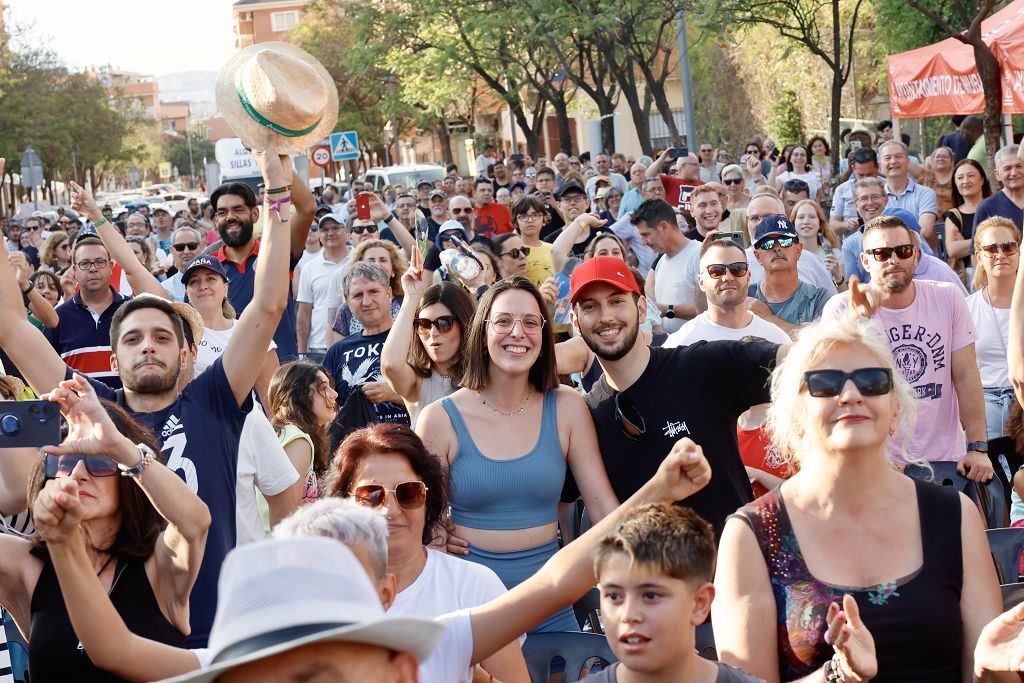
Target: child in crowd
{"points": [[654, 571]]}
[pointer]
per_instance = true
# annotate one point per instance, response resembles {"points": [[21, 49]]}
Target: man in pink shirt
{"points": [[931, 335]]}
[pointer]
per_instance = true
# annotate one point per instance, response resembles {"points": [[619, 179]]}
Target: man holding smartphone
{"points": [[678, 187]]}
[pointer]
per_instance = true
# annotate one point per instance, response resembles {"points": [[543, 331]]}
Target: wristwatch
{"points": [[670, 312], [978, 446], [146, 456]]}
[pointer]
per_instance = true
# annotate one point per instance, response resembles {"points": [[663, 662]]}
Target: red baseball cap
{"points": [[608, 269]]}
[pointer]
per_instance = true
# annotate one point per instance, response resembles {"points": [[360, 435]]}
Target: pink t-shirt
{"points": [[923, 337]]}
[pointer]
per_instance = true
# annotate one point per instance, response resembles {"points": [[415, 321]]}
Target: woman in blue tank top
{"points": [[506, 437]]}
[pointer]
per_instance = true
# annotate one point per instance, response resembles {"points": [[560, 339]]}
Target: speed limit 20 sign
{"points": [[321, 156]]}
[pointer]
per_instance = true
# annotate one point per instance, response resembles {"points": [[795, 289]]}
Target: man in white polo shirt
{"points": [[318, 290]]}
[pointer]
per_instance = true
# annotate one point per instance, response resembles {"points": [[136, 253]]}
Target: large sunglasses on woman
{"points": [[410, 495]]}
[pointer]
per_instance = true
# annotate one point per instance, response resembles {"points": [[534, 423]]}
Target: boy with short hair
{"points": [[654, 571]]}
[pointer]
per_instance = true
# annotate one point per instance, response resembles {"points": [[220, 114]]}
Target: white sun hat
{"points": [[277, 96]]}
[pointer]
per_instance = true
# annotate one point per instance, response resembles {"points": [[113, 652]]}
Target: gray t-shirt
{"points": [[803, 307], [726, 674]]}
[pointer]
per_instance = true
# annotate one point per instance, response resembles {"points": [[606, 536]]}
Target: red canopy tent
{"points": [[942, 79]]}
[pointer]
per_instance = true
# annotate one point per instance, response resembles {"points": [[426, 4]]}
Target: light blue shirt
{"points": [[917, 199], [630, 201], [627, 232]]}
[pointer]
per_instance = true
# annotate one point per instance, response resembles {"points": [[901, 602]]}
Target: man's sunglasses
{"points": [[518, 252], [830, 383], [410, 495], [903, 252], [457, 210], [718, 270], [1008, 248], [769, 243], [185, 245], [360, 229], [630, 419], [733, 181], [796, 185], [443, 323], [95, 465]]}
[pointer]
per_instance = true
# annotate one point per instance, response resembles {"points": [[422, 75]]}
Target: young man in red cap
{"points": [[650, 397]]}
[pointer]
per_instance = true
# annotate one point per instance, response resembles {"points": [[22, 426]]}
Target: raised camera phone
{"points": [[736, 237], [29, 423], [677, 152], [363, 206]]}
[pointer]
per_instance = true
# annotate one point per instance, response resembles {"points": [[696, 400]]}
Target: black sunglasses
{"points": [[733, 181], [830, 383], [185, 245], [796, 185], [360, 229], [718, 270], [903, 252], [632, 424], [443, 323], [516, 253], [769, 243], [95, 465]]}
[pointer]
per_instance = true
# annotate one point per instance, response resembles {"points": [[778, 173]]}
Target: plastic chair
{"points": [[704, 642], [989, 497], [588, 611], [1006, 546], [569, 522], [1013, 594], [578, 650]]}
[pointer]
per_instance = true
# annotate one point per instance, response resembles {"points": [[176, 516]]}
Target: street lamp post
{"points": [[684, 76], [188, 138]]}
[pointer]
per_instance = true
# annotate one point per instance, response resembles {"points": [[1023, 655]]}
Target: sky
{"points": [[152, 37]]}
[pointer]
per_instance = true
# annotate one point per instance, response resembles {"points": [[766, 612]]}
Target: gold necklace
{"points": [[520, 409]]}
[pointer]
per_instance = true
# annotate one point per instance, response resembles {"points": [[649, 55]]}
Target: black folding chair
{"points": [[569, 522], [588, 611], [579, 651], [989, 497], [1006, 546]]}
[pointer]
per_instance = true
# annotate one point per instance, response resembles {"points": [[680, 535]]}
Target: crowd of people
{"points": [[387, 435]]}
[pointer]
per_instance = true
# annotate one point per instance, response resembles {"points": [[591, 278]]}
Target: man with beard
{"points": [[672, 281], [234, 213], [438, 206], [82, 337], [1009, 201], [781, 297], [492, 218], [198, 426], [931, 334], [640, 405]]}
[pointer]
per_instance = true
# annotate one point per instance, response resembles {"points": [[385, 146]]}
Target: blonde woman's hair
{"points": [[398, 263], [787, 419], [980, 276]]}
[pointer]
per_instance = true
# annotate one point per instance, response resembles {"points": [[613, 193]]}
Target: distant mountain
{"points": [[196, 87]]}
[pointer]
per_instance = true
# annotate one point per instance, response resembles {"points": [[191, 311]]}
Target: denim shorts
{"points": [[997, 410]]}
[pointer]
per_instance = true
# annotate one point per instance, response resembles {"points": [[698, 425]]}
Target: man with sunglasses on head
{"points": [[186, 244], [794, 191], [318, 287], [781, 297], [648, 398], [931, 334], [844, 216]]}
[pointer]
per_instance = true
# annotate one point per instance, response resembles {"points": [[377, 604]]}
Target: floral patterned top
{"points": [[914, 620]]}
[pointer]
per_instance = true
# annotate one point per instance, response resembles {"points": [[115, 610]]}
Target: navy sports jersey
{"points": [[355, 360], [241, 282], [199, 435]]}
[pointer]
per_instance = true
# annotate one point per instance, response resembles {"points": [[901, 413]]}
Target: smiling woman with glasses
{"points": [[388, 468], [824, 577], [507, 437]]}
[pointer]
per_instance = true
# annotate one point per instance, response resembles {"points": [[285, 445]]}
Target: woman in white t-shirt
{"points": [[798, 168], [817, 237], [387, 466], [996, 249]]}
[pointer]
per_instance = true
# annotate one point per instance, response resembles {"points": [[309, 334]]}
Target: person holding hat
{"points": [[785, 300], [637, 407]]}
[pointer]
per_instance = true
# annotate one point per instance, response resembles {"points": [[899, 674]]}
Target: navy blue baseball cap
{"points": [[200, 262], [774, 226]]}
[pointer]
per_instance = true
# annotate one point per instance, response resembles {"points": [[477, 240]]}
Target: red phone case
{"points": [[363, 207]]}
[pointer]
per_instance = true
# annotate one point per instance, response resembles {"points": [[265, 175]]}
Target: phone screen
{"points": [[363, 206], [677, 152]]}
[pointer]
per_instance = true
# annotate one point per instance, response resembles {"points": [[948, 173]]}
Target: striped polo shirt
{"points": [[82, 338]]}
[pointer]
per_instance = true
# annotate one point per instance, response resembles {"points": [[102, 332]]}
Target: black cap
{"points": [[570, 186]]}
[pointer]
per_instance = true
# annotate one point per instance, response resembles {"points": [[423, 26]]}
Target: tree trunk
{"points": [[991, 81], [561, 108], [446, 141], [837, 92], [638, 112]]}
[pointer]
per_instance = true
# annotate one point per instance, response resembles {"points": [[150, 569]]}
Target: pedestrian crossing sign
{"points": [[345, 145]]}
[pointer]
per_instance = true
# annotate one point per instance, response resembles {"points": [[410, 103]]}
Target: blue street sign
{"points": [[345, 145]]}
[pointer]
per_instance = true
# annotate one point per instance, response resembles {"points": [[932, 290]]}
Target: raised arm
{"points": [[654, 170], [37, 305], [567, 575], [243, 357], [103, 633], [25, 345], [179, 550], [15, 467], [379, 212], [393, 357], [139, 277]]}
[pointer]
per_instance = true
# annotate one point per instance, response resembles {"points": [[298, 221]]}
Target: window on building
{"points": [[659, 130], [282, 21]]}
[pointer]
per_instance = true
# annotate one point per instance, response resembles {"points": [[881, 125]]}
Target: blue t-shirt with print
{"points": [[198, 436], [356, 360]]}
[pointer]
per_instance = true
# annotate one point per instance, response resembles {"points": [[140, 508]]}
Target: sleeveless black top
{"points": [[55, 653], [915, 620]]}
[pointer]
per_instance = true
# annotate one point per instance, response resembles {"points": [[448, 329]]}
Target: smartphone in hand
{"points": [[29, 423], [677, 152], [363, 206]]}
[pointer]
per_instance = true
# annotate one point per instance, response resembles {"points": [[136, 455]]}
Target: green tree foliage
{"points": [[787, 126]]}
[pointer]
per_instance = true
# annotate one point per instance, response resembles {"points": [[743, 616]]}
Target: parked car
{"points": [[408, 175]]}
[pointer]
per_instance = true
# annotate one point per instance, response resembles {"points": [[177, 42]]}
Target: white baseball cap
{"points": [[281, 594]]}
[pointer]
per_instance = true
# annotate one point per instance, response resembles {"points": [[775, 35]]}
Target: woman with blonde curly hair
{"points": [[851, 570], [389, 257]]}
